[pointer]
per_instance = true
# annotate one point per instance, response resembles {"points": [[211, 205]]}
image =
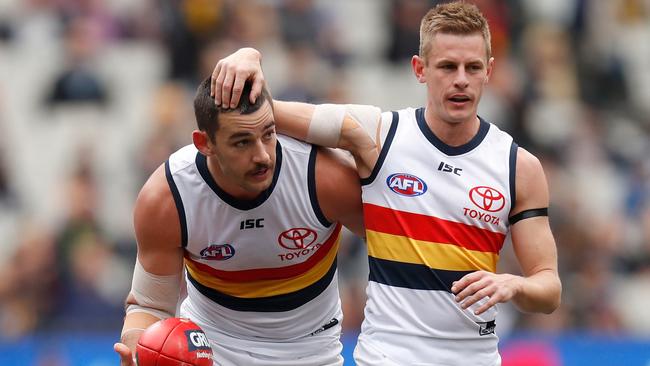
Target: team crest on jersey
{"points": [[218, 252], [406, 184]]}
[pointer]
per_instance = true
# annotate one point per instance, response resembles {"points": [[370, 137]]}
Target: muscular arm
{"points": [[533, 241], [157, 231], [539, 288], [338, 189]]}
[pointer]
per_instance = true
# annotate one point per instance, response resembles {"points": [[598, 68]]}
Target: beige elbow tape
{"points": [[325, 125], [367, 117], [154, 294]]}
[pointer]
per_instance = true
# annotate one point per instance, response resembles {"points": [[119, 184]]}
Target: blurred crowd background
{"points": [[95, 94]]}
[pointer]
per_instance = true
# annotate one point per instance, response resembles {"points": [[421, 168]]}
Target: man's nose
{"points": [[260, 155], [461, 81]]}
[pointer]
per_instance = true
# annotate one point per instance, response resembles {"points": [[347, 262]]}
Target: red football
{"points": [[173, 342]]}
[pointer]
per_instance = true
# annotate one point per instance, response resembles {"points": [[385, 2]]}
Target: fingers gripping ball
{"points": [[173, 342]]}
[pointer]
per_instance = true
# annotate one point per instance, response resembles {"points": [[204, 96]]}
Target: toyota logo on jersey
{"points": [[487, 198], [406, 184], [297, 238]]}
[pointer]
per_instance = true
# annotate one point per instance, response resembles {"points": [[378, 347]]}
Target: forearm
{"points": [[134, 324], [293, 118], [539, 293], [152, 297], [351, 127]]}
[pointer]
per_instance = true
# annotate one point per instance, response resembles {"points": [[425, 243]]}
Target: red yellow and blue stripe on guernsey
{"points": [[268, 289], [424, 252]]}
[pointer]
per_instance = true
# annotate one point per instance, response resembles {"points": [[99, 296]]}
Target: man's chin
{"points": [[259, 185], [457, 117]]}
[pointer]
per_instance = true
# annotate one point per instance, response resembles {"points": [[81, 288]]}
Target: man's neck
{"points": [[452, 134], [229, 187]]}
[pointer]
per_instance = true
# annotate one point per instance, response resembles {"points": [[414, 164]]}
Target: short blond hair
{"points": [[454, 18]]}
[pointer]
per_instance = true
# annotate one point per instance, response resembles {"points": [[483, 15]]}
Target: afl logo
{"points": [[487, 198], [218, 252], [406, 184], [297, 238]]}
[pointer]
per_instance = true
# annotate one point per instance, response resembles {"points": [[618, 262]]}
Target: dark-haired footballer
{"points": [[254, 220]]}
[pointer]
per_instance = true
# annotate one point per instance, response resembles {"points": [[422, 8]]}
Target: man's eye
{"points": [[241, 143]]}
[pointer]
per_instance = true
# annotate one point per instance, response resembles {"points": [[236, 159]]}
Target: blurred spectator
{"points": [[91, 278], [187, 25], [6, 32], [305, 79], [79, 82], [405, 28], [106, 25], [172, 116], [27, 283], [303, 24], [252, 23]]}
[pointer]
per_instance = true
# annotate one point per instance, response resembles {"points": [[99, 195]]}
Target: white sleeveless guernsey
{"points": [[433, 214], [261, 274]]}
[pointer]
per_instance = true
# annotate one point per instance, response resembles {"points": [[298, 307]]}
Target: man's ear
{"points": [[202, 142], [417, 63], [490, 67]]}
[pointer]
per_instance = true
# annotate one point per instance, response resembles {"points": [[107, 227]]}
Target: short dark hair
{"points": [[207, 112]]}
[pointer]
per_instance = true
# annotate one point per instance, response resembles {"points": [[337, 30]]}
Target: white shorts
{"points": [[327, 356], [367, 355]]}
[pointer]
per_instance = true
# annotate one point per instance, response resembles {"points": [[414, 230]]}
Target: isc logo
{"points": [[406, 184], [196, 340], [251, 224]]}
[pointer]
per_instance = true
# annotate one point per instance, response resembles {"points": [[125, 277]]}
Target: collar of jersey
{"points": [[202, 166], [447, 149]]}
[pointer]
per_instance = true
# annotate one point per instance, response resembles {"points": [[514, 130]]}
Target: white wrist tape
{"points": [[133, 308], [154, 294], [325, 125], [129, 331]]}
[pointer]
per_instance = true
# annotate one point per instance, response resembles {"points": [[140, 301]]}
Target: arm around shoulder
{"points": [[540, 289]]}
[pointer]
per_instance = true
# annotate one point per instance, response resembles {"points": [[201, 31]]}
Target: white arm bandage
{"points": [[367, 116], [325, 125], [327, 120], [154, 294]]}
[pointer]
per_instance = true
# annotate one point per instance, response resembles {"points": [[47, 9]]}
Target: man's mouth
{"points": [[459, 98], [260, 172]]}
